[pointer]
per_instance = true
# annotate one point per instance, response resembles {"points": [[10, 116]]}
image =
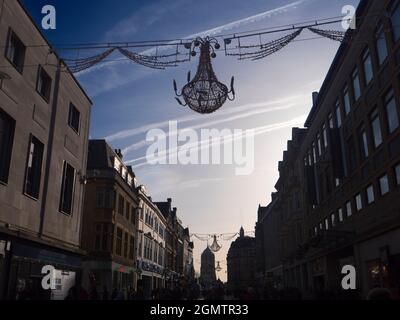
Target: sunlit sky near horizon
{"points": [[274, 93]]}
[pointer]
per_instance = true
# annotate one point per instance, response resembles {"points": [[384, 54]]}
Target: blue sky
{"points": [[271, 93]]}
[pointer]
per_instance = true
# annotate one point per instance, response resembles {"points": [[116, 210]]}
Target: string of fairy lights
{"points": [[215, 246], [183, 51], [204, 93]]}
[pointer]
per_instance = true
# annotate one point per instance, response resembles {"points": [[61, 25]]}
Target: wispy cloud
{"points": [[204, 144], [143, 143], [142, 18], [242, 22], [194, 117]]}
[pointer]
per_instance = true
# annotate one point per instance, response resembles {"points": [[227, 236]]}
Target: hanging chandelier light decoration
{"points": [[218, 267], [215, 247], [204, 94]]}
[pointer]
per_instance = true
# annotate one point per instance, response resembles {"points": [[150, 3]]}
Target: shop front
{"points": [[380, 263], [21, 271], [152, 278]]}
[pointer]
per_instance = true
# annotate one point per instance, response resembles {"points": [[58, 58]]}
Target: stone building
{"points": [[151, 244], [174, 247], [338, 193], [44, 127], [241, 262], [110, 221], [207, 269]]}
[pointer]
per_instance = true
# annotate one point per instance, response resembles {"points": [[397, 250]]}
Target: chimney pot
{"points": [[315, 97]]}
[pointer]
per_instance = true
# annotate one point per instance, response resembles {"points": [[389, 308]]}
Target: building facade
{"points": [[110, 221], [177, 248], [345, 170], [151, 244], [241, 262], [44, 127]]}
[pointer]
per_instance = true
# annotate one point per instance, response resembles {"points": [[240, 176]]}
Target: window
{"points": [[34, 168], [326, 224], [349, 211], [376, 129], [126, 239], [103, 233], [148, 250], [105, 198], [363, 144], [330, 120], [397, 173], [131, 247], [338, 115], [43, 86], [121, 205], [391, 112], [155, 253], [119, 242], [346, 100], [127, 210], [333, 220], [133, 215], [15, 52], [359, 204], [381, 46], [140, 245], [160, 255], [384, 185], [351, 155], [67, 189], [340, 214], [314, 152], [7, 128], [319, 145], [74, 118], [325, 136], [396, 22], [367, 64], [356, 84], [370, 194]]}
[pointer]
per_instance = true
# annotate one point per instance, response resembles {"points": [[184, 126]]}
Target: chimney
{"points": [[169, 200], [119, 153], [315, 97]]}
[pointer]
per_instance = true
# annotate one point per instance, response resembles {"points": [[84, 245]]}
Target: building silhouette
{"points": [[241, 263], [207, 269]]}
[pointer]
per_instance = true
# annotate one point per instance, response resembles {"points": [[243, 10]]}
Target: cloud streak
{"points": [[204, 144], [123, 134], [144, 143]]}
